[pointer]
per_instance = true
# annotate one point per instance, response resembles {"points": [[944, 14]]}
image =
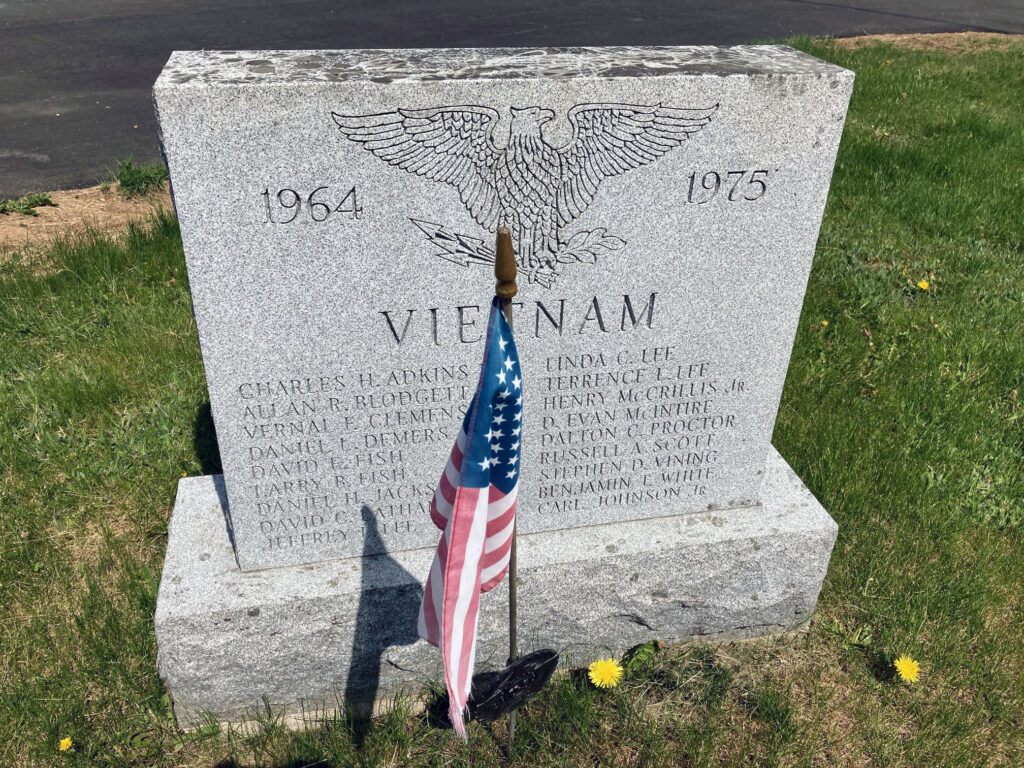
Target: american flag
{"points": [[475, 506]]}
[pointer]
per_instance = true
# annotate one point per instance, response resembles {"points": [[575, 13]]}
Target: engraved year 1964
{"points": [[734, 185], [288, 205]]}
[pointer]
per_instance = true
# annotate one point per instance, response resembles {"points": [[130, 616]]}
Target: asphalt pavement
{"points": [[75, 75]]}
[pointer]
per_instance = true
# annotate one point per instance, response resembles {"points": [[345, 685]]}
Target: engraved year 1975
{"points": [[735, 186], [287, 205]]}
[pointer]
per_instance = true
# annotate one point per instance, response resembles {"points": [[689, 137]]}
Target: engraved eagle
{"points": [[530, 186]]}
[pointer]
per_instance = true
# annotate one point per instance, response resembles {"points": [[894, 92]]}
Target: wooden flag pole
{"points": [[505, 289]]}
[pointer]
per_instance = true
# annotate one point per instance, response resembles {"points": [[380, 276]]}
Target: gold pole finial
{"points": [[505, 266]]}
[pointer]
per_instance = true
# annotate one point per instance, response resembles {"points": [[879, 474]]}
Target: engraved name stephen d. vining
{"points": [[526, 184]]}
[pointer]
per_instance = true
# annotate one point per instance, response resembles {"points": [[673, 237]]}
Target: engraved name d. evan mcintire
{"points": [[528, 185]]}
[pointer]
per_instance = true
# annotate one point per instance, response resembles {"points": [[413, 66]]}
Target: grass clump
{"points": [[136, 180], [771, 705], [26, 206]]}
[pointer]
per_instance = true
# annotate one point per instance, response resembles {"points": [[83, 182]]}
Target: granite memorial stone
{"points": [[338, 211]]}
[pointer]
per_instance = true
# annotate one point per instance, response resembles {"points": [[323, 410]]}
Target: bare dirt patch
{"points": [[947, 42], [77, 210]]}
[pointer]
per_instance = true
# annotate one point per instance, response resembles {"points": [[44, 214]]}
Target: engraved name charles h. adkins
{"points": [[530, 186]]}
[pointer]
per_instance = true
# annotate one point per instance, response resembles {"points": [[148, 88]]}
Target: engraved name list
{"points": [[627, 428]]}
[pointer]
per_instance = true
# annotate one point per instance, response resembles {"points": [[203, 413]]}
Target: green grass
{"points": [[136, 180], [904, 415], [26, 206]]}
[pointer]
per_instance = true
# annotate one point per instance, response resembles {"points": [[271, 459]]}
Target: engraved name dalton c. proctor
{"points": [[530, 186]]}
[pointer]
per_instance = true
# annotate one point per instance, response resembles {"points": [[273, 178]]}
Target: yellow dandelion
{"points": [[923, 285], [65, 744], [605, 673], [824, 323], [907, 668]]}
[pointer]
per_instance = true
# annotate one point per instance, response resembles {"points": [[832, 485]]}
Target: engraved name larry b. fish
{"points": [[530, 186]]}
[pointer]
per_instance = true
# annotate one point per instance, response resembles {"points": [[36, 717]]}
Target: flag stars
{"points": [[504, 392]]}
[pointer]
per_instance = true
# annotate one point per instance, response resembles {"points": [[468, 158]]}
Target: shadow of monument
{"points": [[204, 441], [389, 598], [388, 611]]}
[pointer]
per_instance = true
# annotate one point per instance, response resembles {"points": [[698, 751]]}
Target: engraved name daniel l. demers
{"points": [[528, 185]]}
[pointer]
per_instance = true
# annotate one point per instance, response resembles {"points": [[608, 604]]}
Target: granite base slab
{"points": [[307, 638]]}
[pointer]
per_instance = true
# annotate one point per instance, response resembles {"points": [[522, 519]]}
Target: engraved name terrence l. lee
{"points": [[530, 186]]}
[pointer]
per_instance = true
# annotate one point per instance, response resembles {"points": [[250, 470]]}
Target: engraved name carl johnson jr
{"points": [[528, 185]]}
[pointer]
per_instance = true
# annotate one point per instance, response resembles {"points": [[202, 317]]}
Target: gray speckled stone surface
{"points": [[340, 331], [426, 64], [310, 636]]}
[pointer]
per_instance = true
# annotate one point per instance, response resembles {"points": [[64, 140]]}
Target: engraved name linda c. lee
{"points": [[530, 186]]}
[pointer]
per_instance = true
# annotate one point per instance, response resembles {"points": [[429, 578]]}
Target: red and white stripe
{"points": [[472, 558]]}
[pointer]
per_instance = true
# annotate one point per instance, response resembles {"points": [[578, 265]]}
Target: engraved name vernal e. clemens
{"points": [[526, 184]]}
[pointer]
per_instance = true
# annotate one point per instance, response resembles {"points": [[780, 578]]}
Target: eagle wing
{"points": [[609, 139], [449, 144]]}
